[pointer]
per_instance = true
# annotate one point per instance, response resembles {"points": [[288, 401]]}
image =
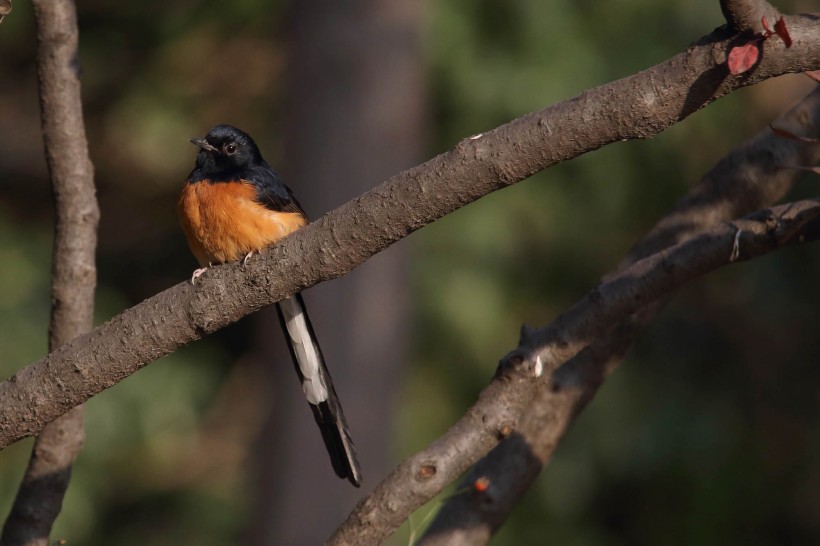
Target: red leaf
{"points": [[780, 30], [814, 74], [743, 57], [783, 133]]}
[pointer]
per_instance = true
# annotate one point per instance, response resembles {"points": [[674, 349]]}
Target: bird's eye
{"points": [[230, 149]]}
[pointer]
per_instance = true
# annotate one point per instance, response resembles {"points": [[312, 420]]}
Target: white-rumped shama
{"points": [[234, 204]]}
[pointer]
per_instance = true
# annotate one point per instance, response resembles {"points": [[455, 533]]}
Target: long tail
{"points": [[318, 387]]}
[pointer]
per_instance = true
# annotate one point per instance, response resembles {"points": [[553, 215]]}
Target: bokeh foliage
{"points": [[707, 435]]}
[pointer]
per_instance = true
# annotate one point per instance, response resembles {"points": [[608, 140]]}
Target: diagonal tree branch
{"points": [[638, 106], [753, 175], [385, 509], [74, 276]]}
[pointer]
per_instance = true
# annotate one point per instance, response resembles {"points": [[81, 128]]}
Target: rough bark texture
{"points": [[371, 51], [520, 375], [636, 107], [40, 497], [754, 175]]}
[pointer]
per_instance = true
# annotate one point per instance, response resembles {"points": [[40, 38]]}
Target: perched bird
{"points": [[234, 204]]}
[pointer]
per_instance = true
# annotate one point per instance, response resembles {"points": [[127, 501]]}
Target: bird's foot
{"points": [[197, 273], [246, 258]]}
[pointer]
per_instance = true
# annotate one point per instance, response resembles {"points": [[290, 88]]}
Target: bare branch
{"points": [[40, 497], [380, 514], [395, 498], [751, 176], [638, 106]]}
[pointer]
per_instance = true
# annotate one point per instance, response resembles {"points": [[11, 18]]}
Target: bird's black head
{"points": [[226, 151]]}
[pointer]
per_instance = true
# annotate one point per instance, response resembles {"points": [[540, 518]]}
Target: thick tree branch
{"points": [[391, 502], [753, 175], [40, 497], [638, 106], [384, 510]]}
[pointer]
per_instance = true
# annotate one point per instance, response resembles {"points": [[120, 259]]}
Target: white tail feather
{"points": [[307, 356]]}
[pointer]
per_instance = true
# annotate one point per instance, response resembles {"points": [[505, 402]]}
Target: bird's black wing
{"points": [[271, 192]]}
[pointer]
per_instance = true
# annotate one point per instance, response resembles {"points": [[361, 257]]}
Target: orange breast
{"points": [[223, 222]]}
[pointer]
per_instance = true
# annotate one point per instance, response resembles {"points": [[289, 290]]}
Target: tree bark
{"points": [[73, 274], [345, 238], [636, 107], [755, 174], [530, 367]]}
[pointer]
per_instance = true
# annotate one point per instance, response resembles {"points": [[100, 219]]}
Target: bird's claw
{"points": [[197, 273]]}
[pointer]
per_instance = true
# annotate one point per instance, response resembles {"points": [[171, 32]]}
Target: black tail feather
{"points": [[316, 381]]}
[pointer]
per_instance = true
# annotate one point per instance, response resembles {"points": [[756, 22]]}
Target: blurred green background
{"points": [[708, 434]]}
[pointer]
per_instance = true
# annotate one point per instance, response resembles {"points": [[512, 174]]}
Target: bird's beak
{"points": [[202, 143]]}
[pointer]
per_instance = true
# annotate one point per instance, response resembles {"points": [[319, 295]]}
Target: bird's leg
{"points": [[246, 258]]}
